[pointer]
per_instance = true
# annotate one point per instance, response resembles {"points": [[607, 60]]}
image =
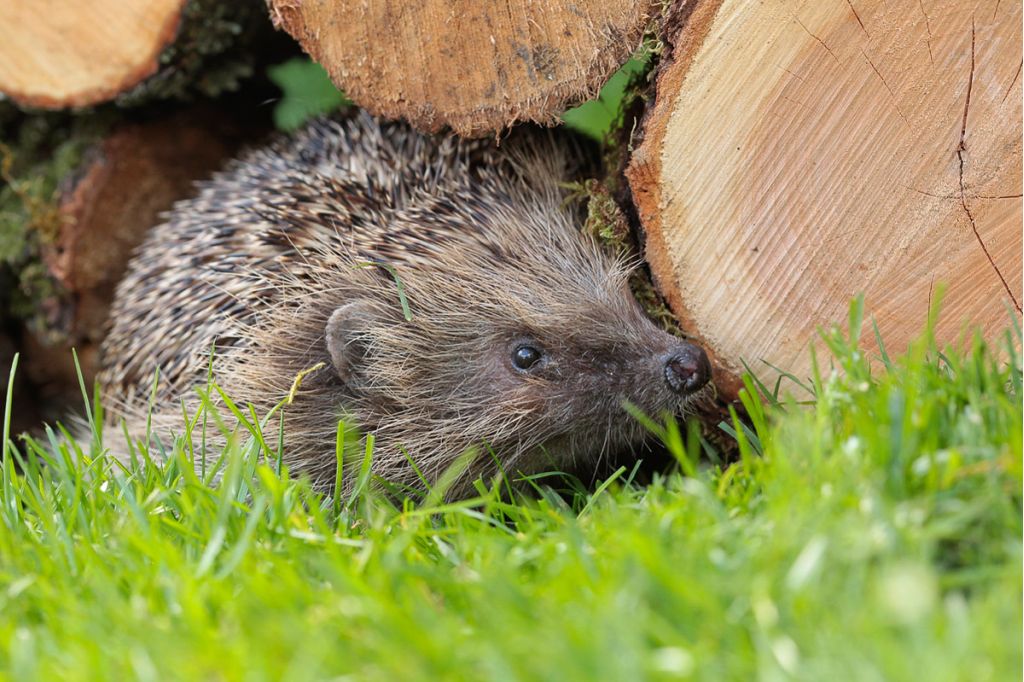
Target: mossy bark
{"points": [[78, 199], [37, 154], [78, 188]]}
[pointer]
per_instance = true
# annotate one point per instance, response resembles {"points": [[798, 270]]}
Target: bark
{"points": [[476, 67]]}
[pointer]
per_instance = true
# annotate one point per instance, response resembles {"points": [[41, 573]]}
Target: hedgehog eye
{"points": [[525, 356]]}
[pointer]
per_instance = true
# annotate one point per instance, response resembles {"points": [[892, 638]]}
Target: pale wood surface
{"points": [[474, 66], [56, 53], [801, 152]]}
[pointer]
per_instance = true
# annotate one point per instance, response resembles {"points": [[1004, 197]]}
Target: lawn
{"points": [[871, 530]]}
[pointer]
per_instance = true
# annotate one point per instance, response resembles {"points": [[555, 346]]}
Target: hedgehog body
{"points": [[440, 290]]}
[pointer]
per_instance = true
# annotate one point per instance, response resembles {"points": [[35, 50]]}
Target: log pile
{"points": [[785, 155], [109, 111]]}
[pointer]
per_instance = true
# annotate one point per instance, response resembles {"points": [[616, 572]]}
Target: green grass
{"points": [[873, 534]]}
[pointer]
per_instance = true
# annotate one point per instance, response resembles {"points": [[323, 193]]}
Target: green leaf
{"points": [[597, 116], [307, 91]]}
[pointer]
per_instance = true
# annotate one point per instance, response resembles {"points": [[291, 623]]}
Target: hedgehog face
{"points": [[599, 375], [572, 385], [539, 378]]}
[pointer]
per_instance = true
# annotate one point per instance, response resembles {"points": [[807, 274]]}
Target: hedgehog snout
{"points": [[687, 369]]}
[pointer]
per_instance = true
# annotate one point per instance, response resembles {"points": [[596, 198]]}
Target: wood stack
{"points": [[790, 154]]}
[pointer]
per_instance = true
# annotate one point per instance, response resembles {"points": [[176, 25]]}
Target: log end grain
{"points": [[70, 54], [802, 153]]}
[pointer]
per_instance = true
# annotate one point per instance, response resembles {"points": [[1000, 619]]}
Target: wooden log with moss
{"points": [[799, 153], [73, 207]]}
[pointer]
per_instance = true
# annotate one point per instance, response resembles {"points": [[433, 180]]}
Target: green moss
{"points": [[607, 223], [611, 119], [599, 117], [605, 219], [654, 304], [606, 116], [38, 153]]}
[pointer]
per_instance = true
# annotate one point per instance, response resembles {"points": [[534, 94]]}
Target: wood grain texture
{"points": [[474, 66], [57, 53], [801, 152]]}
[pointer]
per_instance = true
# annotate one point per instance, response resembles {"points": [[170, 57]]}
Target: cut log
{"points": [[63, 53], [56, 53], [121, 187], [474, 66], [801, 152]]}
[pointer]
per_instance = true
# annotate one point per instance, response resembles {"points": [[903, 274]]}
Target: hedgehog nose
{"points": [[687, 369]]}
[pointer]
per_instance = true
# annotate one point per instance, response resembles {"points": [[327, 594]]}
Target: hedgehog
{"points": [[434, 292]]}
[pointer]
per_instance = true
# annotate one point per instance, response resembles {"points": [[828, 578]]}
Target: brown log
{"points": [[122, 186], [802, 152], [474, 66], [56, 53]]}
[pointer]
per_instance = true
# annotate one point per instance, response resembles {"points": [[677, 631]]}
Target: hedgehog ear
{"points": [[346, 342]]}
